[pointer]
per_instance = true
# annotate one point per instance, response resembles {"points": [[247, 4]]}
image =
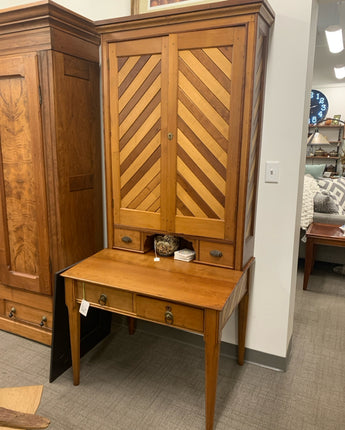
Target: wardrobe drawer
{"points": [[132, 240], [106, 297], [220, 254], [185, 317], [22, 313]]}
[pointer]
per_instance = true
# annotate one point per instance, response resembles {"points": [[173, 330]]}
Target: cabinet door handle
{"points": [[216, 253], [12, 312], [43, 321], [126, 239]]}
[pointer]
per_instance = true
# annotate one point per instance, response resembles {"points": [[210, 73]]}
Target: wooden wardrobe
{"points": [[183, 96], [50, 158]]}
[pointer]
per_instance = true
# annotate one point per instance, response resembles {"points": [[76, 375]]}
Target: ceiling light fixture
{"points": [[334, 36], [339, 72]]}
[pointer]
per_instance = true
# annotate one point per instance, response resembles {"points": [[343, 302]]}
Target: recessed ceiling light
{"points": [[334, 36], [339, 72]]}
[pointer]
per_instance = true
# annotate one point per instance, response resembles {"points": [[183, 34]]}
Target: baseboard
{"points": [[227, 349]]}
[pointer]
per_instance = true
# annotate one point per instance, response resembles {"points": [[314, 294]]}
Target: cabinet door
{"points": [[210, 76], [136, 86], [175, 119], [24, 257]]}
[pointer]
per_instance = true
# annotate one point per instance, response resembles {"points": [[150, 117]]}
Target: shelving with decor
{"points": [[323, 152]]}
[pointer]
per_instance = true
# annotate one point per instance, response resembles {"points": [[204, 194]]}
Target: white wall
{"points": [[284, 136], [92, 9], [336, 99]]}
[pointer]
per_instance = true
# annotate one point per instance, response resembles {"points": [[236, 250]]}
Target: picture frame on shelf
{"points": [[335, 119], [143, 6]]}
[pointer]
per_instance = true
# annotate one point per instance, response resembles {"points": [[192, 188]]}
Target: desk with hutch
{"points": [[182, 102]]}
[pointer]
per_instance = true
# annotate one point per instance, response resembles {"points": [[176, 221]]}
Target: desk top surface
{"points": [[168, 279]]}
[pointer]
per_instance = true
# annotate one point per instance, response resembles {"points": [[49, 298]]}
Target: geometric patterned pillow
{"points": [[336, 188]]}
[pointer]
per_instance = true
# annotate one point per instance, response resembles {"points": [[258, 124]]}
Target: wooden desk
{"points": [[320, 234], [188, 296]]}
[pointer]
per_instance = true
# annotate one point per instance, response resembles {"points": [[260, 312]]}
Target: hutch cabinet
{"points": [[50, 180], [183, 94]]}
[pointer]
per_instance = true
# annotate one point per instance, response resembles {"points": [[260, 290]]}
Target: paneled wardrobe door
{"points": [[24, 251]]}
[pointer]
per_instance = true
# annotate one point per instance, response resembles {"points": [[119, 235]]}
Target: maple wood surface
{"points": [[189, 283]]}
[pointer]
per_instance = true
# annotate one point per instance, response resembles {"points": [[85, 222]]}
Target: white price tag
{"points": [[84, 307]]}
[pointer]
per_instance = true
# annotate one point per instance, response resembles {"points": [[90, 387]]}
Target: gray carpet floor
{"points": [[149, 382]]}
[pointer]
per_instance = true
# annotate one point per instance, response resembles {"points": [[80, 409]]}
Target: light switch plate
{"points": [[272, 171]]}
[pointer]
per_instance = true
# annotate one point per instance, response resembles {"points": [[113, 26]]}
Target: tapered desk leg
{"points": [[74, 328], [212, 339], [309, 261], [242, 326]]}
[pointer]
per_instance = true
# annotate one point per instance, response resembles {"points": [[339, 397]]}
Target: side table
{"points": [[320, 234]]}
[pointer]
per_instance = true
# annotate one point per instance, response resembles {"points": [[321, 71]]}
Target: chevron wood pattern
{"points": [[139, 88], [204, 94]]}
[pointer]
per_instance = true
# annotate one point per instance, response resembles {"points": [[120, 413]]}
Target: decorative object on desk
{"points": [[184, 254], [166, 245], [335, 120], [318, 107]]}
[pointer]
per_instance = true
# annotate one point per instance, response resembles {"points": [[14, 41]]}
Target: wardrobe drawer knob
{"points": [[43, 320], [12, 312]]}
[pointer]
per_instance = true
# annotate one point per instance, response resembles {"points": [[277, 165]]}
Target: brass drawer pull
{"points": [[169, 317], [102, 299], [216, 253], [43, 321], [12, 312], [126, 239]]}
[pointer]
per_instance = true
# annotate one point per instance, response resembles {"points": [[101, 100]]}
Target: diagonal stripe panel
{"points": [[139, 87], [204, 95]]}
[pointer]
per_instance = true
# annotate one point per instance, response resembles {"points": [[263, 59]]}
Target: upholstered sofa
{"points": [[323, 201]]}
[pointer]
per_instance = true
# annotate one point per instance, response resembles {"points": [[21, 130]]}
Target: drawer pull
{"points": [[169, 317], [12, 312], [216, 253], [43, 321], [102, 299], [126, 239]]}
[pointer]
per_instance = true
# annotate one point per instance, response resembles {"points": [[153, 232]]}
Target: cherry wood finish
{"points": [[163, 292], [320, 234], [50, 188]]}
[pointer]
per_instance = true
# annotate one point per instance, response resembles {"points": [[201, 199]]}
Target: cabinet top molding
{"points": [[192, 13], [43, 14]]}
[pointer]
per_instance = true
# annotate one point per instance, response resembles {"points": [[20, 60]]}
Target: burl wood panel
{"points": [[23, 213]]}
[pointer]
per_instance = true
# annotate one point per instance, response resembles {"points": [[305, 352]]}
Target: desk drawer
{"points": [[106, 297], [220, 254], [170, 313]]}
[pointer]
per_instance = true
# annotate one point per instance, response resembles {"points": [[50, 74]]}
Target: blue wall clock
{"points": [[318, 107]]}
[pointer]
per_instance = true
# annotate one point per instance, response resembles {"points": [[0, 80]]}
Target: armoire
{"points": [[50, 158]]}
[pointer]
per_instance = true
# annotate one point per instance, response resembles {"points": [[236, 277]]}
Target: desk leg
{"points": [[242, 326], [309, 261], [212, 339], [74, 328]]}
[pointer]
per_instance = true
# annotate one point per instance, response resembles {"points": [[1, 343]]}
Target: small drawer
{"points": [[106, 297], [169, 313], [19, 312], [220, 254], [132, 240]]}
